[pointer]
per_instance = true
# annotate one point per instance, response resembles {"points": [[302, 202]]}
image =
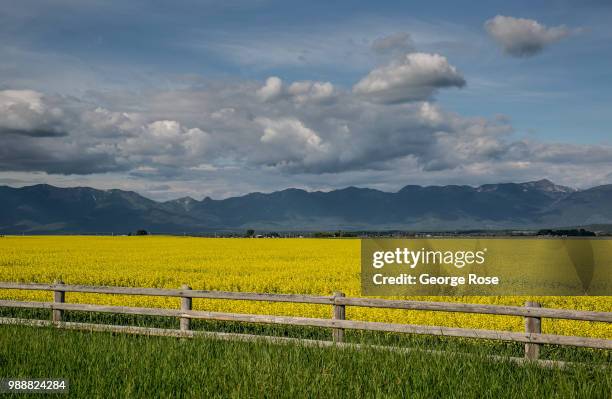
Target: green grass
{"points": [[463, 345], [115, 365]]}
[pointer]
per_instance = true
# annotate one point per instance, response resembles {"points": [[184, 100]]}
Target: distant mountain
{"points": [[43, 208], [537, 204]]}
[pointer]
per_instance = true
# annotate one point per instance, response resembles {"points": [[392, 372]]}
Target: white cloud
{"points": [[289, 142], [521, 37], [225, 133], [288, 129], [272, 90], [27, 112], [311, 91], [30, 98], [415, 77], [110, 123], [165, 142], [299, 92]]}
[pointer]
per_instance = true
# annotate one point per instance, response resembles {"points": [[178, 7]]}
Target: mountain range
{"points": [[45, 209]]}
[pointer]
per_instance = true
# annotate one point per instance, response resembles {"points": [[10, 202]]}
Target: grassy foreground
{"points": [[109, 365]]}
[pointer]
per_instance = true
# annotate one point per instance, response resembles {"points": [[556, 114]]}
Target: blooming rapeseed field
{"points": [[306, 266]]}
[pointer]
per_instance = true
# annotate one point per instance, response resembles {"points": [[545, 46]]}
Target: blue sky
{"points": [[546, 91]]}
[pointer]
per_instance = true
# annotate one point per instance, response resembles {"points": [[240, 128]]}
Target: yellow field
{"points": [[308, 266]]}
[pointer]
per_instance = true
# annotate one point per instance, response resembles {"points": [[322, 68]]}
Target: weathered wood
{"points": [[185, 305], [238, 296], [532, 313], [327, 300], [327, 323], [478, 308], [533, 325], [58, 297], [338, 313]]}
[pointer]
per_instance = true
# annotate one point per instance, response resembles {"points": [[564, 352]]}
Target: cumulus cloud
{"points": [[36, 134], [288, 142], [311, 91], [165, 142], [110, 123], [299, 92], [396, 43], [521, 37], [311, 128], [415, 77], [26, 112], [288, 129], [272, 90]]}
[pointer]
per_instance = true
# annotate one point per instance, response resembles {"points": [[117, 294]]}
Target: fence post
{"points": [[339, 313], [58, 297], [185, 305], [532, 325]]}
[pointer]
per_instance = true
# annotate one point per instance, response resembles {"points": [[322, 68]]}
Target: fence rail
{"points": [[532, 313]]}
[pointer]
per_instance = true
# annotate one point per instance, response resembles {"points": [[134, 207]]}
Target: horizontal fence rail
{"points": [[315, 322], [532, 337], [584, 315], [184, 293]]}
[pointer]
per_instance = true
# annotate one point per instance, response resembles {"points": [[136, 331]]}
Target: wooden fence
{"points": [[533, 337]]}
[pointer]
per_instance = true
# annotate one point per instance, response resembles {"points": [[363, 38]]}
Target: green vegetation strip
{"points": [[102, 364], [166, 332]]}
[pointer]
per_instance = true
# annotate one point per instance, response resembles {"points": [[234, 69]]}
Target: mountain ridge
{"points": [[44, 208]]}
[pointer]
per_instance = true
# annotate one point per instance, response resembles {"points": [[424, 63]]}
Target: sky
{"points": [[221, 98]]}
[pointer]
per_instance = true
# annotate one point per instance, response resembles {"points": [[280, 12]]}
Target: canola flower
{"points": [[304, 266]]}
